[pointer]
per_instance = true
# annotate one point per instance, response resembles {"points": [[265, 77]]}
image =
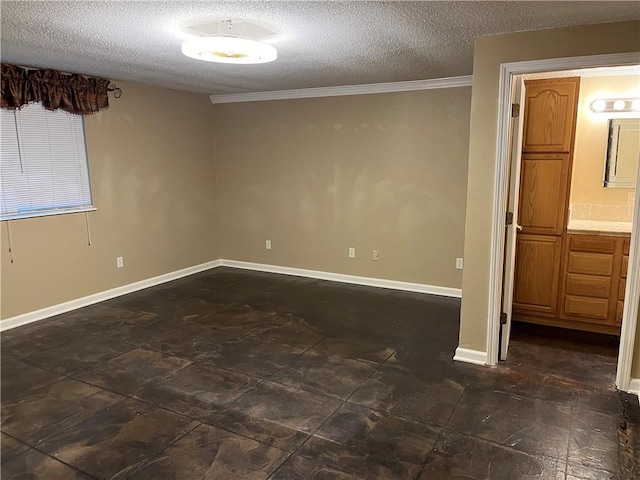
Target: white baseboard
{"points": [[634, 387], [47, 312], [470, 356], [343, 278]]}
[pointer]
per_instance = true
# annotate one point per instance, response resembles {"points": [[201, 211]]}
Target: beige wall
{"points": [[316, 176], [589, 199], [152, 176], [490, 52]]}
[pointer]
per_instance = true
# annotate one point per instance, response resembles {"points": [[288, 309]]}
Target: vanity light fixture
{"points": [[229, 49], [617, 105]]}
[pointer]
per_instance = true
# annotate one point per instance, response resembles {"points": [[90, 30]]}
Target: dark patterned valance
{"points": [[56, 90]]}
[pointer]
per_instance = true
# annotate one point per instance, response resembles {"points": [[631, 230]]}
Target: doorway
{"points": [[509, 73]]}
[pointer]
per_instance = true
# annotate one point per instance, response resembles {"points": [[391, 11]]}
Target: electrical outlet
{"points": [[352, 252], [119, 262], [459, 263], [267, 244], [375, 256]]}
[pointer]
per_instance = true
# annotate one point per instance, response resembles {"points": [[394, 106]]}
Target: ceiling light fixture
{"points": [[608, 105], [229, 49]]}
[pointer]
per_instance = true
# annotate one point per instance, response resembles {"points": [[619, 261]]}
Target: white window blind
{"points": [[43, 167]]}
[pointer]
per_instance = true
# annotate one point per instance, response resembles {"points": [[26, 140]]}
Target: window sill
{"points": [[46, 213]]}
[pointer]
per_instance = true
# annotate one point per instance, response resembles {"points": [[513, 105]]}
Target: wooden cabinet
{"points": [[550, 111], [544, 187], [622, 285], [567, 280], [549, 126], [537, 277], [593, 285]]}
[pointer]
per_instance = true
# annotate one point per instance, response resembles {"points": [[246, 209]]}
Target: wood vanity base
{"points": [[590, 297]]}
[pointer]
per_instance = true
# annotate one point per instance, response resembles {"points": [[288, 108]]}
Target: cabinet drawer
{"points": [[586, 307], [590, 243], [624, 266], [625, 246], [619, 310], [590, 263], [588, 285], [622, 286]]}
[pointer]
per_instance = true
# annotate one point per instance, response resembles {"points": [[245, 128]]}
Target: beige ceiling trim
{"points": [[449, 82]]}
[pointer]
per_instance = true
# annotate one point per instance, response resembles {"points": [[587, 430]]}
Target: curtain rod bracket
{"points": [[117, 91]]}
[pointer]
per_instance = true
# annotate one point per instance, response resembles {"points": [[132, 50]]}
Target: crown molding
{"points": [[391, 87]]}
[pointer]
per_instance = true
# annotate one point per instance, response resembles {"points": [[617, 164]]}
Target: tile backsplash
{"points": [[587, 216]]}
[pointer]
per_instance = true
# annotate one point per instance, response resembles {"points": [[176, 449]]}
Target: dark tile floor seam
{"points": [[148, 346], [430, 454], [132, 394], [313, 434], [442, 430], [375, 370], [226, 429], [571, 423], [146, 462], [200, 421], [284, 343], [64, 463], [348, 357], [43, 350], [134, 310], [16, 439], [270, 376], [270, 477], [257, 309], [155, 380], [280, 465], [241, 335], [49, 384], [218, 347], [506, 447], [520, 396], [343, 401], [127, 397], [97, 412], [33, 447]]}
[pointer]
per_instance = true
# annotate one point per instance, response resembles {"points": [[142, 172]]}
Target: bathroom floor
{"points": [[231, 374]]}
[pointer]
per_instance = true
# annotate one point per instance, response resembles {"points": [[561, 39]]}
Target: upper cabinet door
{"points": [[544, 190], [550, 112]]}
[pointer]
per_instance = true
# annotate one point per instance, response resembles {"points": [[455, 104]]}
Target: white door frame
{"points": [[501, 180]]}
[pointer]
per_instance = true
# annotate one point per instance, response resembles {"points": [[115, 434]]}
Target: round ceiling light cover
{"points": [[229, 49]]}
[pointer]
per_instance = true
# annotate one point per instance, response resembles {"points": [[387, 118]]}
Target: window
{"points": [[43, 163]]}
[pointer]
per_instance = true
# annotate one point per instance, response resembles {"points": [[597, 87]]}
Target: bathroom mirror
{"points": [[623, 152]]}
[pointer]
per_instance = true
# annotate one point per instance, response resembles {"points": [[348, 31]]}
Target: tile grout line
{"points": [[443, 428], [147, 461], [342, 403], [65, 463]]}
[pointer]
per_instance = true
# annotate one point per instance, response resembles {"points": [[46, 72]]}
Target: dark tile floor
{"points": [[232, 375]]}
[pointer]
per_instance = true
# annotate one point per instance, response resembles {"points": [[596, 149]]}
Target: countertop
{"points": [[592, 227]]}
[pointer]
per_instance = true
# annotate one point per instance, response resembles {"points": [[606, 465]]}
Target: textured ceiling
{"points": [[319, 43]]}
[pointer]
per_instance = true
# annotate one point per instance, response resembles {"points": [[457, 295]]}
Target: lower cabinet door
{"points": [[537, 275]]}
